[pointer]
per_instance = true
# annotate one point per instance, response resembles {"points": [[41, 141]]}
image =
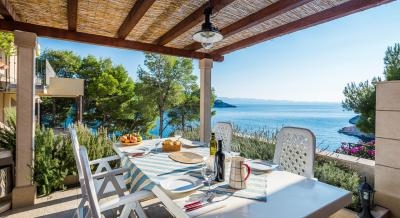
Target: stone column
{"points": [[24, 192], [205, 66], [387, 145]]}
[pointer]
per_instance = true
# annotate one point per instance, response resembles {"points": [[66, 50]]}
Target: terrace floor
{"points": [[62, 204]]}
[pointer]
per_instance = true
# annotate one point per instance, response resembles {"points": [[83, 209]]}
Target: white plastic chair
{"points": [[129, 202], [106, 182], [295, 151], [224, 131]]}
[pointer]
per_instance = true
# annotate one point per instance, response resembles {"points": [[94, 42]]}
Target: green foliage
{"points": [[48, 173], [109, 94], [7, 43], [8, 137], [332, 173], [392, 63], [188, 111], [162, 84], [258, 144], [361, 99], [65, 63], [54, 158]]}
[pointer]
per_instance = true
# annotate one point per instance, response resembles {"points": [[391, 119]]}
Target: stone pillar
{"points": [[24, 192], [387, 145], [205, 66]]}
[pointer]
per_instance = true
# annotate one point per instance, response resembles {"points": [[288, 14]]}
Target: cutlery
{"points": [[199, 204]]}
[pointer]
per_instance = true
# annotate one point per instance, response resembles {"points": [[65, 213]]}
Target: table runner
{"points": [[146, 172]]}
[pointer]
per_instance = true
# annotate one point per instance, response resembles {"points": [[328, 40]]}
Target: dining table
{"points": [[274, 193]]}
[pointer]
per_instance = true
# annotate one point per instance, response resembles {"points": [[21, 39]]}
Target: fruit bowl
{"points": [[130, 139]]}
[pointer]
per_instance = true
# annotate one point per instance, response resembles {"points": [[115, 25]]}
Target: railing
{"points": [[8, 77]]}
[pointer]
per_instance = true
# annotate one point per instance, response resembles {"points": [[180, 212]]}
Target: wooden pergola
{"points": [[162, 26]]}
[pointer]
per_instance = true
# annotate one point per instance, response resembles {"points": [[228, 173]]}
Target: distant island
{"points": [[220, 104]]}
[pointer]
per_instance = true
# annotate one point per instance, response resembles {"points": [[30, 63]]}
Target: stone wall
{"points": [[387, 168]]}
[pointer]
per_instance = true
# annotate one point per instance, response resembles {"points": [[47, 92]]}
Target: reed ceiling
{"points": [[167, 26]]}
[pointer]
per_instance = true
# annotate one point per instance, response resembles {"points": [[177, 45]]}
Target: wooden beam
{"points": [[7, 11], [51, 32], [190, 21], [342, 10], [72, 14], [258, 17], [135, 14]]}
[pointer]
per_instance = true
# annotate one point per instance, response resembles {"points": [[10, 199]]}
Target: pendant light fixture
{"points": [[209, 34]]}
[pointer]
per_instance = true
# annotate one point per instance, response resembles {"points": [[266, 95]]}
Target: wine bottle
{"points": [[220, 163], [213, 144]]}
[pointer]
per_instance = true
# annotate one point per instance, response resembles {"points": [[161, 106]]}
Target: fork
{"points": [[199, 204]]}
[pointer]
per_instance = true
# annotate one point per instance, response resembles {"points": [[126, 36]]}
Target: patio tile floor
{"points": [[62, 204]]}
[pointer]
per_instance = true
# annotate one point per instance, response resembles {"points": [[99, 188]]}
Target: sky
{"points": [[314, 64]]}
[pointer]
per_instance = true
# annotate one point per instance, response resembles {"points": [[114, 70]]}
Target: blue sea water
{"points": [[323, 119]]}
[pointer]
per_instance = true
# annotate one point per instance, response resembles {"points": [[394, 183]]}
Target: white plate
{"points": [[260, 165], [180, 184], [191, 144], [138, 151]]}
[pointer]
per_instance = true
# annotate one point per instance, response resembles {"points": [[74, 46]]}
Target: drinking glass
{"points": [[178, 134], [158, 142], [208, 172]]}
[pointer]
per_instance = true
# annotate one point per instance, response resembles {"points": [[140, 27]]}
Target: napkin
{"points": [[205, 209]]}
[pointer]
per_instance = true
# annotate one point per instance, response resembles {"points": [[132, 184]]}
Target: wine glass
{"points": [[178, 134], [208, 172], [157, 143]]}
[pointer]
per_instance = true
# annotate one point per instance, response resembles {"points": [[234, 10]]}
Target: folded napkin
{"points": [[205, 209]]}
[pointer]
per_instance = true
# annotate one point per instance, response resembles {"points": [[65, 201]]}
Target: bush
{"points": [[361, 149], [255, 145], [48, 171], [54, 158], [8, 132], [340, 176]]}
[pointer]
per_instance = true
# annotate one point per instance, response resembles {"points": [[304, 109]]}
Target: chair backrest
{"points": [[75, 149], [224, 130], [295, 151], [89, 184]]}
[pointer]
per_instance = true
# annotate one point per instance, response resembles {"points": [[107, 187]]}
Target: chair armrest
{"points": [[109, 173], [126, 200], [105, 159]]}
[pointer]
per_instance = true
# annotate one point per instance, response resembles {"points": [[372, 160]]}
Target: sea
{"points": [[323, 119]]}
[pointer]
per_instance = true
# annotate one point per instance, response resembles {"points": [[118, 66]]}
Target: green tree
{"points": [[163, 83], [65, 64], [109, 98], [189, 109], [109, 93], [392, 63], [7, 43], [361, 97]]}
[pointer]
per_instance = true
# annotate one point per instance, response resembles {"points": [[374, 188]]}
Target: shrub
{"points": [[54, 158], [258, 144], [361, 149], [8, 137], [340, 176], [48, 173]]}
